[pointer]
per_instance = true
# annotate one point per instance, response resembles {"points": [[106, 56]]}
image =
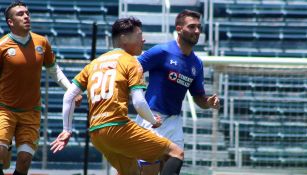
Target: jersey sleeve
{"points": [[197, 86], [49, 58], [135, 75], [81, 80], [151, 58]]}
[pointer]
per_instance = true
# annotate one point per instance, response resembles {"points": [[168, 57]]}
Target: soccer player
{"points": [[108, 80], [173, 69], [22, 55]]}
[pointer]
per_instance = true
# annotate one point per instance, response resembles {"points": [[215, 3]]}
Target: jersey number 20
{"points": [[105, 81]]}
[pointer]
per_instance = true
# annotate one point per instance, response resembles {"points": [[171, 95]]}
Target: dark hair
{"points": [[124, 26], [12, 5], [182, 15]]}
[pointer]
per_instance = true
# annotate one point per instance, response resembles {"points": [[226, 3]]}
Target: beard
{"points": [[190, 40]]}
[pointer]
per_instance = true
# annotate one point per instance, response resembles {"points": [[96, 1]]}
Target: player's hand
{"points": [[158, 123], [60, 142], [78, 100], [213, 102]]}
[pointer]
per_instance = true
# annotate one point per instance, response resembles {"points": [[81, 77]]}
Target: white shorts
{"points": [[171, 127]]}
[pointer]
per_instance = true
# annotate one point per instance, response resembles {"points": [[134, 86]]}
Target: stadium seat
{"points": [[58, 6], [90, 7]]}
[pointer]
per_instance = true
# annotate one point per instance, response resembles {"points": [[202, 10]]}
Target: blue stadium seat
{"points": [[59, 6], [91, 7], [38, 6], [71, 53], [297, 11], [42, 27]]}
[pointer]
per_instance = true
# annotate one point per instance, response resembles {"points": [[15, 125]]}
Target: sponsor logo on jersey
{"points": [[11, 52], [180, 79], [173, 76], [173, 62], [39, 49]]}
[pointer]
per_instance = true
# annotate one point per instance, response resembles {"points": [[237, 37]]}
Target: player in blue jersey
{"points": [[173, 70]]}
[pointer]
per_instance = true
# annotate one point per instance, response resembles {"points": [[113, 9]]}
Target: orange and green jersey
{"points": [[108, 81], [20, 71]]}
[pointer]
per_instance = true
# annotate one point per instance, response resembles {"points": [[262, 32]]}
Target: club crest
{"points": [[11, 52], [39, 49], [193, 70]]}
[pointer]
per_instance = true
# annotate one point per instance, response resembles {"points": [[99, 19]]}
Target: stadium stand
{"points": [[272, 131], [280, 22], [271, 114]]}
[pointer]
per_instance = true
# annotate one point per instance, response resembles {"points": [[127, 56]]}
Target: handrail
{"points": [[194, 119], [225, 60]]}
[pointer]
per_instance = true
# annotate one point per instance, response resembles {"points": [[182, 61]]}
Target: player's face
{"points": [[135, 42], [19, 20], [190, 31]]}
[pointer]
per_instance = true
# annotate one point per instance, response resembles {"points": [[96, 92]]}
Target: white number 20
{"points": [[102, 80]]}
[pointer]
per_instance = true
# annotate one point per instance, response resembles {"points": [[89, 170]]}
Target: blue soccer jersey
{"points": [[171, 74]]}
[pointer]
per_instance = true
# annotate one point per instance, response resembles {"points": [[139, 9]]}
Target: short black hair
{"points": [[124, 26], [185, 13], [12, 5]]}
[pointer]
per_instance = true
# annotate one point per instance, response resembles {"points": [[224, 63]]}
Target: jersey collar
{"points": [[174, 49], [20, 40]]}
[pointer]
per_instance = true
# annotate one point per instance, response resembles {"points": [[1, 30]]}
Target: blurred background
{"points": [[254, 53]]}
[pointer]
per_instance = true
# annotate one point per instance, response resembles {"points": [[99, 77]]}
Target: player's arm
{"points": [[207, 102], [53, 68], [142, 108], [58, 76], [198, 92], [68, 110]]}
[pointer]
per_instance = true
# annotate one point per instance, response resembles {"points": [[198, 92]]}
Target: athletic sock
{"points": [[18, 173], [1, 169], [172, 166]]}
